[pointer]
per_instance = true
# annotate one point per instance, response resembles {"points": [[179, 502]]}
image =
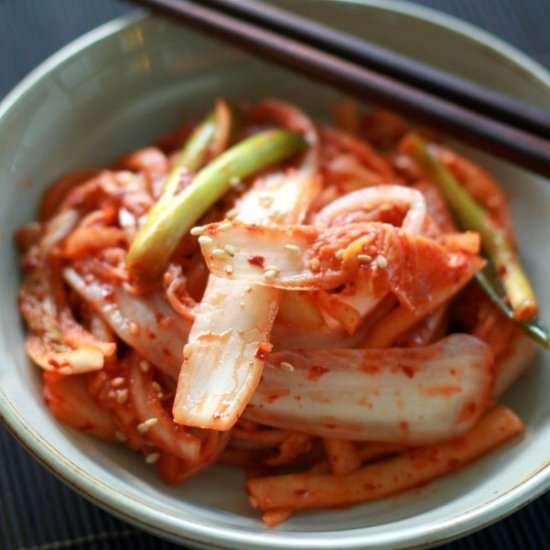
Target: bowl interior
{"points": [[136, 79]]}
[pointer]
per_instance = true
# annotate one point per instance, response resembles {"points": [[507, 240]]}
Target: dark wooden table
{"points": [[37, 512]]}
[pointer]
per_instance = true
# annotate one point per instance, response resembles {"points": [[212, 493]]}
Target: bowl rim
{"points": [[181, 529]]}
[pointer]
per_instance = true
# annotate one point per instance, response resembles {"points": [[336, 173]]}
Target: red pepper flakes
{"points": [[263, 349], [256, 260], [316, 372]]}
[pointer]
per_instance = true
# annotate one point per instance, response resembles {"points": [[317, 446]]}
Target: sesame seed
{"points": [[146, 424], [364, 258], [151, 458], [117, 382], [225, 226], [217, 253], [315, 264], [133, 329], [122, 396], [230, 214], [339, 254], [144, 366], [266, 200], [157, 387], [197, 230], [204, 240], [121, 436], [230, 249], [270, 274], [382, 262], [292, 247], [310, 138], [285, 365], [235, 181], [278, 215], [228, 269], [271, 267]]}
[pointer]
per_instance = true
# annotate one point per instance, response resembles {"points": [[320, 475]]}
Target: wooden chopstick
{"points": [[420, 75], [503, 140]]}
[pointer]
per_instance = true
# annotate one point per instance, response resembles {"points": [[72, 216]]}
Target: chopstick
{"points": [[480, 130], [405, 69]]}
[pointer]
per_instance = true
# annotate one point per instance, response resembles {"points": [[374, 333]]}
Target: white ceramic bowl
{"points": [[116, 89]]}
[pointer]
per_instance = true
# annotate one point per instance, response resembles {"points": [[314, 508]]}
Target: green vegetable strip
{"points": [[169, 220], [192, 156], [190, 159], [195, 150], [488, 281], [494, 240]]}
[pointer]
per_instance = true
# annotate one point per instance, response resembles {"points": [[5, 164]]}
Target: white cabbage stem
{"points": [[225, 354], [408, 396]]}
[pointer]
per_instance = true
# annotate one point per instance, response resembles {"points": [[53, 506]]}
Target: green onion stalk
{"points": [[514, 294], [489, 282], [192, 156], [174, 214]]}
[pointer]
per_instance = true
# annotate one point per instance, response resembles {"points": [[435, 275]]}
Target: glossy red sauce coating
{"points": [[260, 354], [276, 394], [370, 369], [109, 296], [256, 260], [443, 391], [263, 349], [409, 371], [55, 364], [159, 317], [316, 372], [467, 411]]}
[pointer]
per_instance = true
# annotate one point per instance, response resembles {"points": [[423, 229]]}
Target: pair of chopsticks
{"points": [[493, 122]]}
